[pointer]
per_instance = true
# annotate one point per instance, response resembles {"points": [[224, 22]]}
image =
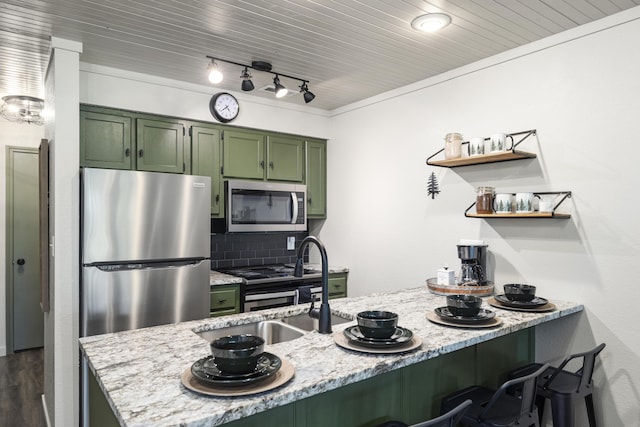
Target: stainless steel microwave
{"points": [[265, 206]]}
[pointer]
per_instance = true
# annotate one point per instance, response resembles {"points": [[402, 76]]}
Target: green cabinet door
{"points": [[105, 140], [205, 160], [316, 178], [242, 154], [160, 146], [284, 158], [337, 285]]}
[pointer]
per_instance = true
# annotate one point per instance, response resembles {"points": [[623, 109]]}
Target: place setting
{"points": [[520, 297], [464, 311], [238, 366], [377, 332]]}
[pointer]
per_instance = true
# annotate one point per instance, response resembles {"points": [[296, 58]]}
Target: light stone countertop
{"points": [[139, 371]]}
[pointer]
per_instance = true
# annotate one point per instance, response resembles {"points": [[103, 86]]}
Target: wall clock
{"points": [[224, 107]]}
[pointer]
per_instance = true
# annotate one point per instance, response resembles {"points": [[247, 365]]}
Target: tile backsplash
{"points": [[242, 249]]}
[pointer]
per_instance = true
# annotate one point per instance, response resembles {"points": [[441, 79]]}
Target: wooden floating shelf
{"points": [[485, 158], [520, 215]]}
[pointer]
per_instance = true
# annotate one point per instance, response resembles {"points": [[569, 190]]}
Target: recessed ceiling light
{"points": [[431, 22]]}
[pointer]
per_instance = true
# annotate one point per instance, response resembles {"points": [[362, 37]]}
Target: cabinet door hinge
{"points": [[221, 170], [183, 131], [184, 167], [222, 135], [190, 132]]}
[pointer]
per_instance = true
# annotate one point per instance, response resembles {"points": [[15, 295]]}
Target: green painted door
{"points": [[105, 140], [205, 160], [160, 146], [242, 154], [284, 158], [23, 225], [316, 179]]}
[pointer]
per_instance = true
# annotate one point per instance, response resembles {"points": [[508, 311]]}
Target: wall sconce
{"points": [[215, 76], [22, 109]]}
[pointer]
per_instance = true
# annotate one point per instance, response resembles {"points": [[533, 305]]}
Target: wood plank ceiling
{"points": [[349, 50]]}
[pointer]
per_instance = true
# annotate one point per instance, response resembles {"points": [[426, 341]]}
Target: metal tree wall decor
{"points": [[432, 186]]}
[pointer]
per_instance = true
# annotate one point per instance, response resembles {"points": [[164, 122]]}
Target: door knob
{"points": [[20, 261]]}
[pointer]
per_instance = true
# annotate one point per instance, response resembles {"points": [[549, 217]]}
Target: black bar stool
{"points": [[450, 419], [563, 388], [497, 408]]}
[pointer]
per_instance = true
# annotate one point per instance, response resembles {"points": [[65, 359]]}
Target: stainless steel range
{"points": [[269, 286]]}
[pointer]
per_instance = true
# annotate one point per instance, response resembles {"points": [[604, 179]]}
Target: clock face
{"points": [[224, 107]]}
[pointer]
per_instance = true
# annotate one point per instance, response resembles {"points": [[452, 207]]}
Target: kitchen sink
{"points": [[303, 321], [273, 331]]}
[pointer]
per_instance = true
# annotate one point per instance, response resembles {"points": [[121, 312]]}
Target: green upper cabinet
{"points": [[285, 158], [316, 178], [258, 155], [205, 160], [160, 146], [242, 154], [105, 140]]}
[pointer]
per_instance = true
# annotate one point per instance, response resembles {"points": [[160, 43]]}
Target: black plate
{"points": [[535, 302], [482, 316], [399, 337], [207, 372]]}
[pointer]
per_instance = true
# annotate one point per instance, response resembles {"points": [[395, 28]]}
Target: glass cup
{"points": [[484, 200]]}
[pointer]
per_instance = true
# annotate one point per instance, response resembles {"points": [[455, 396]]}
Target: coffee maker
{"points": [[473, 269]]}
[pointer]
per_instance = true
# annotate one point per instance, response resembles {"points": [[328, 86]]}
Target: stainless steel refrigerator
{"points": [[145, 249]]}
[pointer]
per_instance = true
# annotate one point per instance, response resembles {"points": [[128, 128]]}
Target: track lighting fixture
{"points": [[280, 90], [307, 94], [215, 76], [247, 84]]}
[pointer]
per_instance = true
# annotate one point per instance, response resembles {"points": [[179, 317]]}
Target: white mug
{"points": [[545, 205], [524, 202], [476, 147], [503, 203], [498, 142]]}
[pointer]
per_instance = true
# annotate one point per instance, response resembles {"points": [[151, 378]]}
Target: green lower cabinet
{"points": [[337, 285], [224, 300], [410, 394]]}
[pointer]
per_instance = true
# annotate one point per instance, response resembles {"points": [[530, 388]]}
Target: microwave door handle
{"points": [[294, 207]]}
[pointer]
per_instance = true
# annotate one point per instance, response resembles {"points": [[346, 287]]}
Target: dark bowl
{"points": [[237, 354], [519, 292], [464, 305], [377, 324]]}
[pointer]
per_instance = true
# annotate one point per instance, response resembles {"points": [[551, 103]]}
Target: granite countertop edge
{"points": [[120, 360]]}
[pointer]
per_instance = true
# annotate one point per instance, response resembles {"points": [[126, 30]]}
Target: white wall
{"points": [[15, 135], [581, 91]]}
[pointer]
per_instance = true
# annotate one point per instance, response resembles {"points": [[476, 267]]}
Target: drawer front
{"points": [[224, 299], [338, 285]]}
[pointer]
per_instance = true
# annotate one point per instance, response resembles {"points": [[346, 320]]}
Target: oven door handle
{"points": [[270, 295]]}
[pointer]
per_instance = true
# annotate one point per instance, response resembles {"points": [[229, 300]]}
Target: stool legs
{"points": [[591, 413]]}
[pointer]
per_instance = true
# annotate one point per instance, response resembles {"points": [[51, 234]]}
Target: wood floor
{"points": [[21, 388]]}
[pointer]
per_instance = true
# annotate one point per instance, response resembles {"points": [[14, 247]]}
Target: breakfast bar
{"points": [[139, 371]]}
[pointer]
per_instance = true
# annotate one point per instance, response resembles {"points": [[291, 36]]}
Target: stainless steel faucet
{"points": [[323, 314]]}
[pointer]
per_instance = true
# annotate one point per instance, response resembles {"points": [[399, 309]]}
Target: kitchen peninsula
{"points": [[139, 371]]}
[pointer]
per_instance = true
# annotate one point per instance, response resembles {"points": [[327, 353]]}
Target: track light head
{"points": [[280, 90], [307, 94], [247, 84], [215, 75]]}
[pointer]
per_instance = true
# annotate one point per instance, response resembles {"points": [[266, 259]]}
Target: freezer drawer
{"points": [[120, 300]]}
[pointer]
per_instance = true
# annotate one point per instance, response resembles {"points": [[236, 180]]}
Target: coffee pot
{"points": [[473, 264]]}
